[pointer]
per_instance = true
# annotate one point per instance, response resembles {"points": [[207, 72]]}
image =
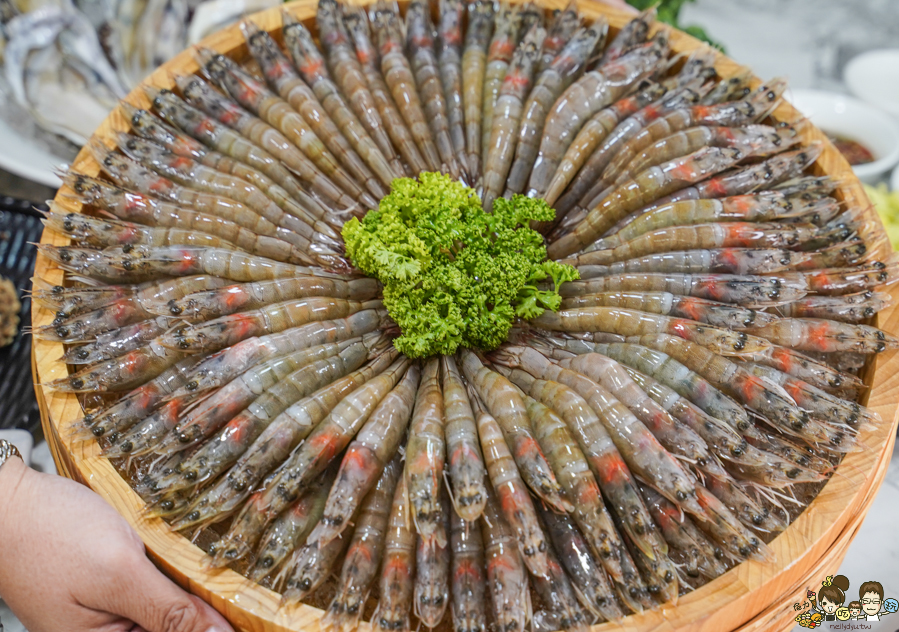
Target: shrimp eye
{"points": [[190, 475], [108, 161], [67, 225], [127, 248], [745, 551], [166, 505], [267, 561], [128, 264], [82, 354], [127, 446], [793, 473], [77, 383], [669, 576], [174, 308], [98, 431], [771, 95], [869, 311], [192, 385], [185, 438], [681, 495], [131, 143], [305, 584], [65, 255], [62, 332], [353, 608]]}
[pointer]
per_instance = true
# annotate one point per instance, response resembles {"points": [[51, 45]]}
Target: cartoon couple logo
{"points": [[828, 604]]}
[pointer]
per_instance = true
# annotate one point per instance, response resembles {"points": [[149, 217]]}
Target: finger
{"points": [[156, 604]]}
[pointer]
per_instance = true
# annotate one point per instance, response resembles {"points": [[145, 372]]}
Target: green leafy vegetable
{"points": [[453, 274]]}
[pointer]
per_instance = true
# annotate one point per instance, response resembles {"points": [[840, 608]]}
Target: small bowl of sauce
{"points": [[867, 137]]}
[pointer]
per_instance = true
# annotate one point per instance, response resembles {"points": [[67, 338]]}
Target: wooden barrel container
{"points": [[751, 597]]}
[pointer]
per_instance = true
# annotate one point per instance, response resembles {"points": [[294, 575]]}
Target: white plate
{"points": [[23, 157], [848, 117], [874, 77]]}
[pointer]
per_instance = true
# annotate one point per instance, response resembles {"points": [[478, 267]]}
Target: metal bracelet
{"points": [[7, 450]]}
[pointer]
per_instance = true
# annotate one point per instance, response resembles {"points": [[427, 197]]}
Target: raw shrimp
{"points": [[201, 95], [290, 530], [808, 369], [767, 206], [646, 187], [225, 331], [737, 181], [278, 113], [326, 441], [398, 567], [728, 444], [701, 556], [838, 281], [348, 72], [738, 261], [725, 315], [423, 59], [283, 77], [632, 34], [512, 494], [356, 23], [295, 201], [703, 236], [399, 78], [752, 391], [557, 594], [91, 231], [140, 402], [71, 301], [849, 308], [308, 60], [366, 457], [143, 209], [818, 403], [432, 569], [218, 368], [466, 463], [360, 567], [88, 325], [584, 98], [449, 62], [213, 134], [605, 460], [468, 602], [122, 373], [308, 568], [129, 173], [507, 577], [504, 403], [758, 140], [550, 83], [580, 485], [499, 147], [675, 375], [425, 457], [598, 128], [209, 304], [825, 336], [746, 290], [116, 342], [752, 109], [626, 322], [560, 30], [589, 581], [222, 262], [745, 508], [244, 408], [190, 173], [273, 446], [506, 25], [474, 64]]}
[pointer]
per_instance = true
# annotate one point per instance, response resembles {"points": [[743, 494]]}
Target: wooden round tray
{"points": [[753, 596]]}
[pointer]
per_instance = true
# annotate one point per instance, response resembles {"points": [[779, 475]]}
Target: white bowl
{"points": [[846, 116], [874, 77]]}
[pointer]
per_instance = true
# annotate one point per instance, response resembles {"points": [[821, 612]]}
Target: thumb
{"points": [[156, 604]]}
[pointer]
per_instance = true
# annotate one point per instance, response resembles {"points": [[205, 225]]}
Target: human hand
{"points": [[69, 562]]}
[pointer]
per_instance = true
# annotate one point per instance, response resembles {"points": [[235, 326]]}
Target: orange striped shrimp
{"points": [[398, 568]]}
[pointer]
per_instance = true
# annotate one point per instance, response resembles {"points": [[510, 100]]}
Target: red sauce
{"points": [[853, 151]]}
